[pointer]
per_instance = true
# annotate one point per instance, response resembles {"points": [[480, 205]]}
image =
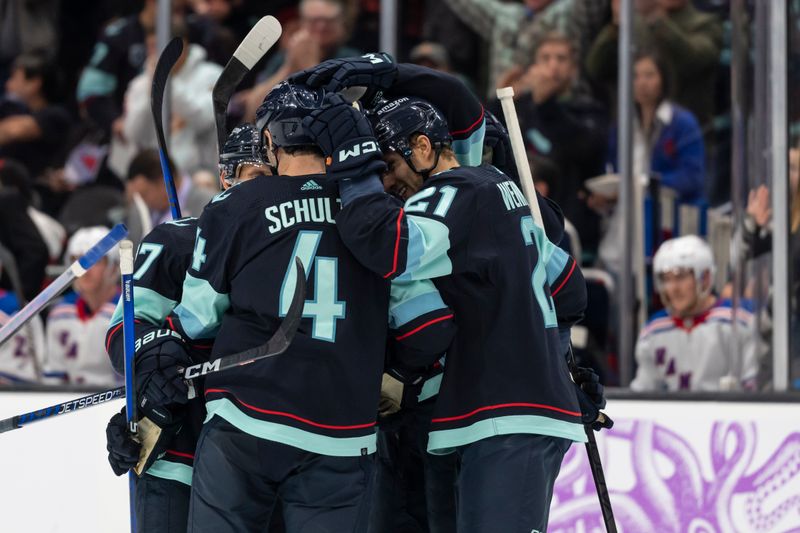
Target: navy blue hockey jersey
{"points": [[470, 230], [322, 394], [160, 265]]}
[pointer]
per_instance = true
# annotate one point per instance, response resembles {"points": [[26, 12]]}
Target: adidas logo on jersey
{"points": [[311, 185]]}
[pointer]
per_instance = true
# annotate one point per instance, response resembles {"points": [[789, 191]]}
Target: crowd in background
{"points": [[78, 148]]}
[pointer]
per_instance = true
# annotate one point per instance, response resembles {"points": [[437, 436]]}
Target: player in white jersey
{"points": [[699, 342], [17, 354], [76, 326]]}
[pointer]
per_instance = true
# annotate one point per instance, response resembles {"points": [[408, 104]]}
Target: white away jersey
{"points": [[17, 363], [76, 353], [693, 354]]}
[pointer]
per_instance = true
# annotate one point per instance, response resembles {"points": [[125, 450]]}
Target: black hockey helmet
{"points": [[243, 145], [396, 121], [283, 111]]}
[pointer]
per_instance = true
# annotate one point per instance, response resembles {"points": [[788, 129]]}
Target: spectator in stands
{"points": [[118, 57], [76, 325], [146, 180], [26, 27], [667, 141], [689, 39], [19, 235], [20, 355], [15, 177], [33, 128], [433, 55], [568, 129], [321, 35], [193, 140], [503, 25], [693, 344]]}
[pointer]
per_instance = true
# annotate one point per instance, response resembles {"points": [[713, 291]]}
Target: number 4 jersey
{"points": [[470, 230], [321, 395]]}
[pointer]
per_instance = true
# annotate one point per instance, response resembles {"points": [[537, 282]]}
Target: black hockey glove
{"points": [[346, 138], [590, 398], [123, 451], [159, 356], [375, 71]]}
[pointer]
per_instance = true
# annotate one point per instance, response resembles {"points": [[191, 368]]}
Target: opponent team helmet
{"points": [[689, 252], [395, 121], [283, 111], [242, 146], [83, 239]]}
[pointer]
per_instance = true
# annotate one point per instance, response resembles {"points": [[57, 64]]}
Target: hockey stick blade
{"points": [[166, 61], [276, 345], [256, 43]]}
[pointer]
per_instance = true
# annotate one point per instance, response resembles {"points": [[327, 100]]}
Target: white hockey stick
{"points": [[256, 43], [75, 270]]}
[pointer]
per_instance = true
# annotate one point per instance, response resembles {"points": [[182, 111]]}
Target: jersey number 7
{"points": [[533, 234], [325, 309]]}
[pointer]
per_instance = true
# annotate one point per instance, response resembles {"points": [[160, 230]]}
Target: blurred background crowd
{"points": [[78, 148]]}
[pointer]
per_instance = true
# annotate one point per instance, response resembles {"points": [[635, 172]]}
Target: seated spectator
{"points": [[689, 39], [76, 326], [320, 36], [21, 355], [568, 129], [33, 129], [434, 55], [19, 235], [667, 142], [146, 179], [693, 344], [193, 138]]}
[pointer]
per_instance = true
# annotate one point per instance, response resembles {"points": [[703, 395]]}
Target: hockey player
{"points": [[469, 230], [76, 325], [18, 355], [162, 492], [300, 426], [693, 344]]}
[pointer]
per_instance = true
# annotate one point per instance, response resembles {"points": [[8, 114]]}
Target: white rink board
{"points": [[54, 476]]}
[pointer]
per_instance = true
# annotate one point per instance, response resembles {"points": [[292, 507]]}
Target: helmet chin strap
{"points": [[425, 173]]}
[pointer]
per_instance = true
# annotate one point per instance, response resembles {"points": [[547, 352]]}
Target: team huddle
{"points": [[433, 343]]}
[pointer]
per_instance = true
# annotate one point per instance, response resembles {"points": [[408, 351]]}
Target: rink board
{"points": [[697, 467]]}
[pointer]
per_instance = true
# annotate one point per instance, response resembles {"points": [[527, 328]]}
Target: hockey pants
{"points": [[238, 478], [505, 483], [162, 505]]}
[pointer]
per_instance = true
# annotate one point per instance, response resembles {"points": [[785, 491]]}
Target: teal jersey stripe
{"points": [[116, 317], [409, 300], [428, 243], [469, 151], [298, 438], [556, 264], [445, 441], [173, 471], [430, 388], [151, 306], [95, 82], [201, 308]]}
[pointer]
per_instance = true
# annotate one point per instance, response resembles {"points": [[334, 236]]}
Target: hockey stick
{"points": [[276, 345], [75, 270], [506, 96], [126, 273], [166, 61], [256, 43], [10, 263]]}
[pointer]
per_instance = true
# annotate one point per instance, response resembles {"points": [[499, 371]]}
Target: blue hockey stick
{"points": [[166, 61], [126, 271], [75, 270]]}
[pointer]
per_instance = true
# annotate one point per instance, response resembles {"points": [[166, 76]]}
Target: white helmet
{"points": [[689, 252], [83, 239]]}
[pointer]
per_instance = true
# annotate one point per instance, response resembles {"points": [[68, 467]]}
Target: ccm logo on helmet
{"points": [[365, 147]]}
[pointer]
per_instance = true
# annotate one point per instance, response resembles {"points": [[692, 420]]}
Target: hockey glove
{"points": [[590, 398], [158, 380], [376, 72], [391, 396], [346, 138], [123, 451]]}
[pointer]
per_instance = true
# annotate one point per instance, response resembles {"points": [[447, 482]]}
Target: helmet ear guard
{"points": [[243, 146]]}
